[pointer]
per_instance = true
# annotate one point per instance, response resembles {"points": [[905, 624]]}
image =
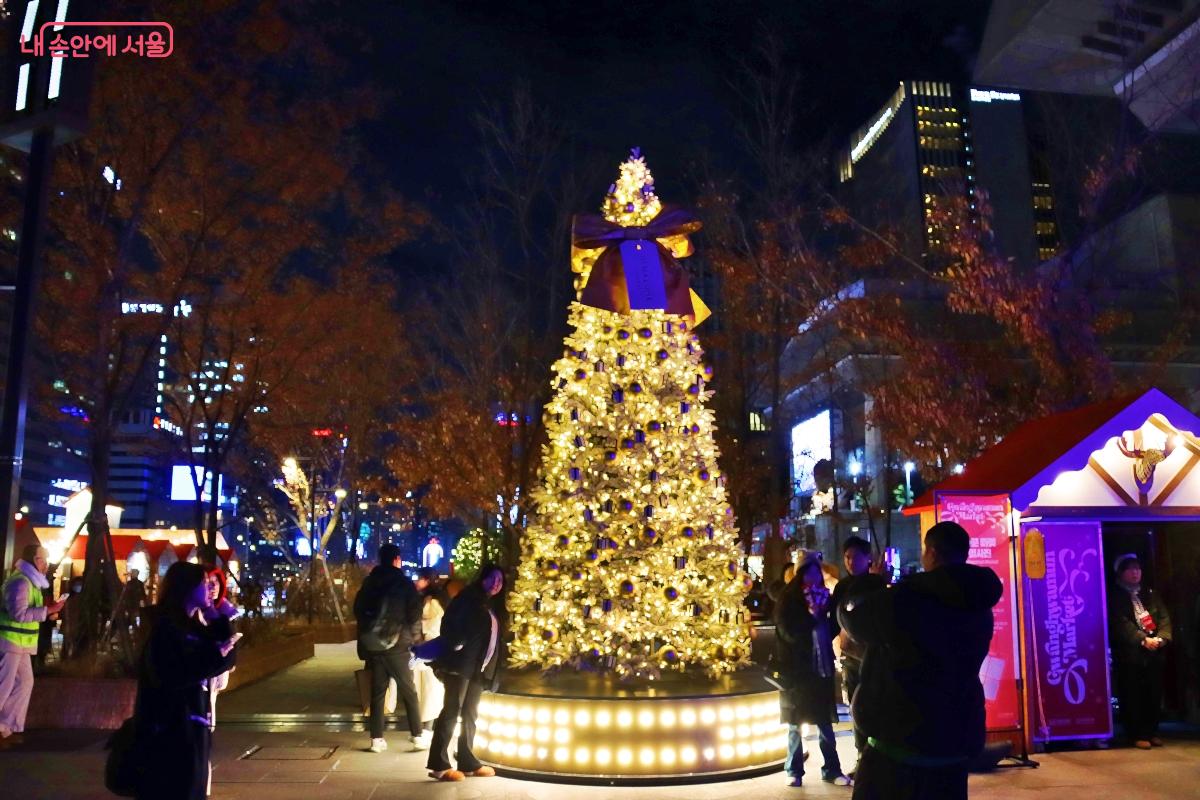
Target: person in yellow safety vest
{"points": [[23, 610]]}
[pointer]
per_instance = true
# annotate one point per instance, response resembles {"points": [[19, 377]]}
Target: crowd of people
{"points": [[908, 657], [441, 647]]}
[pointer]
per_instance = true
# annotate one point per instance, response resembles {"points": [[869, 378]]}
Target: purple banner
{"points": [[1068, 633], [643, 274]]}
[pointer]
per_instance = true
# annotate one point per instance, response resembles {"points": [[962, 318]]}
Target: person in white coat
{"points": [[430, 693]]}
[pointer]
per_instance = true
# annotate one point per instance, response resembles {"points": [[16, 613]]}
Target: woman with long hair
{"points": [[187, 646], [804, 637]]}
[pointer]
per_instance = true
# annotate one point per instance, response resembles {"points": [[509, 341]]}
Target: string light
{"points": [[631, 561]]}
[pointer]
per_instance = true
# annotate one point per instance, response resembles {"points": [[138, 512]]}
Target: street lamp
{"points": [[908, 471]]}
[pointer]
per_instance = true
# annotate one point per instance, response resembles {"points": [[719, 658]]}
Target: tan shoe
{"points": [[483, 772], [447, 775], [1142, 744], [1156, 742]]}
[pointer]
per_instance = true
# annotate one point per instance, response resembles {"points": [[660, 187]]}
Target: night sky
{"points": [[656, 75]]}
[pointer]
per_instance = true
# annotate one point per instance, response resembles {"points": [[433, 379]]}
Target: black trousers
{"points": [[1140, 691], [393, 664], [881, 778], [462, 701], [852, 677]]}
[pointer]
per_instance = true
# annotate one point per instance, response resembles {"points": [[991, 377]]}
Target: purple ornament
{"points": [[627, 505], [694, 389], [689, 532], [575, 473], [620, 361], [629, 208], [610, 455], [580, 374], [575, 416], [663, 354], [627, 444], [606, 606], [684, 407], [695, 428], [655, 426], [579, 441], [636, 388], [587, 514], [639, 436], [618, 396], [703, 475], [648, 511], [645, 333], [653, 475], [622, 334]]}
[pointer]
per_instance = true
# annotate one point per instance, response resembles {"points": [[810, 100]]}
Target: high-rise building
{"points": [[1129, 206], [933, 143], [1144, 52]]}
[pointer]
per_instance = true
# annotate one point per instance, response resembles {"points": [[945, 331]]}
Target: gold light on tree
{"points": [[630, 563]]}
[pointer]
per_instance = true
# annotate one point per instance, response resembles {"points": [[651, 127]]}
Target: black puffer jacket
{"points": [[925, 639], [403, 606], [1125, 635], [466, 634]]}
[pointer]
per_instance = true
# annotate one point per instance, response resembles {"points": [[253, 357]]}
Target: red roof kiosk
{"points": [[1049, 508]]}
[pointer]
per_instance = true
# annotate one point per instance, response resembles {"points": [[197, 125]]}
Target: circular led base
{"points": [[584, 728]]}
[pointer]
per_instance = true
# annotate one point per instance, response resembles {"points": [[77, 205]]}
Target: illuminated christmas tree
{"points": [[631, 563]]}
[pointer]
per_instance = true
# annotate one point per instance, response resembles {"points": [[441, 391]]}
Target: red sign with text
{"points": [[985, 518]]}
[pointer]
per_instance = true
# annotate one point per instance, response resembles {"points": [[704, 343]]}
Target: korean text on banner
{"points": [[1069, 635], [985, 518]]}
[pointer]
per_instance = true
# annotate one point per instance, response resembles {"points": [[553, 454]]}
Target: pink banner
{"points": [[1068, 637], [985, 518]]}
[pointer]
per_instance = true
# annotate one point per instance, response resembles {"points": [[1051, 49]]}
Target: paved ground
{"points": [[272, 760], [316, 686], [68, 766]]}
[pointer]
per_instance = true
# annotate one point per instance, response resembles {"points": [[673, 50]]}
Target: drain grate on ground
{"points": [[288, 753]]}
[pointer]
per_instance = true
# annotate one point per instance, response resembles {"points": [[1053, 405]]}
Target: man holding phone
{"points": [[24, 609]]}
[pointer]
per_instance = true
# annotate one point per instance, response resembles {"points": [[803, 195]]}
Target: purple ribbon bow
{"points": [[635, 271]]}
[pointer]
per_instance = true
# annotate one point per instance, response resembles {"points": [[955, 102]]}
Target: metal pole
{"points": [[12, 418], [312, 540]]}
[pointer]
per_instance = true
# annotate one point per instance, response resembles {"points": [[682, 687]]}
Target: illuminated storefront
{"points": [[1048, 508]]}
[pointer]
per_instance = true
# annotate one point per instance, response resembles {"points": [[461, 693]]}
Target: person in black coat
{"points": [[171, 713], [1139, 632], [388, 611], [920, 702], [804, 641], [860, 580], [467, 663]]}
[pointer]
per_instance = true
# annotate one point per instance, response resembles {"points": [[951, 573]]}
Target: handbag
{"points": [[123, 767], [383, 634]]}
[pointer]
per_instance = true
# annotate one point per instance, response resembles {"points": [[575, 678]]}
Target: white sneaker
{"points": [[378, 745], [420, 742]]}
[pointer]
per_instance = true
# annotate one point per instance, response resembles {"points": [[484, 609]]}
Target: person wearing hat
{"points": [[1139, 631]]}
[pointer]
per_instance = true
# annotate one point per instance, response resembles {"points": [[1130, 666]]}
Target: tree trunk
{"points": [[337, 606]]}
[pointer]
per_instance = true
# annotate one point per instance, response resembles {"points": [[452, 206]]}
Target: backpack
{"points": [[383, 633]]}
